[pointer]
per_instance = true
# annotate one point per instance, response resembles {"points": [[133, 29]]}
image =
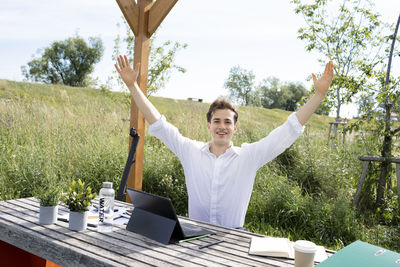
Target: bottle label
{"points": [[106, 210], [101, 210]]}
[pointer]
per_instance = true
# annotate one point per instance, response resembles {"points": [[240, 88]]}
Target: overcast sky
{"points": [[258, 35]]}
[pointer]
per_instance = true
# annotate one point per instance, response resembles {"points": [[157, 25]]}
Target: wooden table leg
{"points": [[13, 256]]}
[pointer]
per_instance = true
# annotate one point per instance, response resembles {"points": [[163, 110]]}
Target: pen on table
{"points": [[122, 216], [211, 244], [194, 238], [66, 220]]}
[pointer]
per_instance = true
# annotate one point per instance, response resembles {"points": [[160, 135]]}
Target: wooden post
{"points": [[335, 125], [141, 55], [366, 160], [329, 135], [398, 184], [143, 17], [361, 182]]}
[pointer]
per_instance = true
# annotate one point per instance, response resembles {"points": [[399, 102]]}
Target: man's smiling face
{"points": [[222, 127]]}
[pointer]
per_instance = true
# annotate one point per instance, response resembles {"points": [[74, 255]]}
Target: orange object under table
{"points": [[13, 256]]}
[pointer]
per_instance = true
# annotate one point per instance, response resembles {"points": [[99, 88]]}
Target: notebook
{"points": [[280, 247], [362, 254], [271, 246], [155, 218]]}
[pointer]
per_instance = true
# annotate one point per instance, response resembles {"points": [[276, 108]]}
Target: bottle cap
{"points": [[107, 184]]}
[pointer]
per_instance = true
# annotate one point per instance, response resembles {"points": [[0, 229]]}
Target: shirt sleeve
{"points": [[275, 143], [171, 137]]}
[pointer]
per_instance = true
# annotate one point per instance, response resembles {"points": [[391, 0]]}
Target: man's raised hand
{"points": [[128, 75], [322, 84]]}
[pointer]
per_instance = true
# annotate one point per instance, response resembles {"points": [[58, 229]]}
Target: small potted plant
{"points": [[48, 193], [78, 199]]}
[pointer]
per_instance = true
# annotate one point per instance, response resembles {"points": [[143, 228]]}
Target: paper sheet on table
{"points": [[121, 216]]}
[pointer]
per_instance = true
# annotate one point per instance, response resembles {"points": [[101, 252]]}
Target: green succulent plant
{"points": [[78, 196]]}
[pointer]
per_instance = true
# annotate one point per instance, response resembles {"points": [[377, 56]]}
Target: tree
{"points": [[286, 96], [365, 105], [350, 34], [297, 92], [241, 86], [161, 59], [379, 101], [270, 93], [67, 62], [389, 96]]}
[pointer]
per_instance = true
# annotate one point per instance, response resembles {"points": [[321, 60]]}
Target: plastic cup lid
{"points": [[305, 246]]}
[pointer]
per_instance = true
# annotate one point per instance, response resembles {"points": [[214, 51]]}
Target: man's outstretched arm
{"points": [[321, 88], [129, 76]]}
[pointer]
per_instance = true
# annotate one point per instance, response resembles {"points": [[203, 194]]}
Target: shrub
{"points": [[334, 221], [279, 206], [278, 202], [384, 236]]}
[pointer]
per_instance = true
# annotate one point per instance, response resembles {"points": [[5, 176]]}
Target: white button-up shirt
{"points": [[219, 188]]}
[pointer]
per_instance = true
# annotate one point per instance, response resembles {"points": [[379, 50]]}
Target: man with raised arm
{"points": [[220, 176]]}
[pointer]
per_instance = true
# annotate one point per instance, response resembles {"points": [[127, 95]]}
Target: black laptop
{"points": [[154, 216]]}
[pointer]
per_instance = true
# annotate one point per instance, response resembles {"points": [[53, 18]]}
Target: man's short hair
{"points": [[221, 103]]}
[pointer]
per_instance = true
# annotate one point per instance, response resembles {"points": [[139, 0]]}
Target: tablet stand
{"points": [[151, 225]]}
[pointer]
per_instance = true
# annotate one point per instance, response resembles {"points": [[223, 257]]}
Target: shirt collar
{"points": [[231, 149]]}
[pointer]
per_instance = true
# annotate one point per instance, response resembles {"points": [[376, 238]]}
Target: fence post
{"points": [[361, 182]]}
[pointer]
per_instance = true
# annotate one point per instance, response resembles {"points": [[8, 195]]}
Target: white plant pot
{"points": [[48, 215], [78, 220]]}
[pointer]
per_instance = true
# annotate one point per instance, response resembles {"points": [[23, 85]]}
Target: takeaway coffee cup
{"points": [[304, 252]]}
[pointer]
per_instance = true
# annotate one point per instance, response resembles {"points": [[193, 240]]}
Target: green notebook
{"points": [[362, 254]]}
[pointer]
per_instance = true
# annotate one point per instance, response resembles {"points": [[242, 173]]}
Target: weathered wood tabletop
{"points": [[19, 227]]}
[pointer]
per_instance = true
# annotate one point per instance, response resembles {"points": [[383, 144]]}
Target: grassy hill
{"points": [[83, 132], [79, 100], [68, 133]]}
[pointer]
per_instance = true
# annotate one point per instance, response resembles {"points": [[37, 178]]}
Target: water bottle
{"points": [[106, 208]]}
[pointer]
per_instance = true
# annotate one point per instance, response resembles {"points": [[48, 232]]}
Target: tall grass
{"points": [[70, 133], [44, 128]]}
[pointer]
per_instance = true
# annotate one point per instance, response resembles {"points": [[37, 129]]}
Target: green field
{"points": [[65, 133]]}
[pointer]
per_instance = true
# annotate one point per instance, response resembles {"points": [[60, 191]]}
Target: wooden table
{"points": [[19, 227]]}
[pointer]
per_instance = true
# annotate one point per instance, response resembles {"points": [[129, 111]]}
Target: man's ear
{"points": [[235, 127], [208, 125]]}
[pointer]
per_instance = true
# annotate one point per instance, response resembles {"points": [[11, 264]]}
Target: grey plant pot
{"points": [[78, 220], [48, 215]]}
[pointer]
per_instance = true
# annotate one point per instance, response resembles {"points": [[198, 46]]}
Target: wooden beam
{"points": [[158, 12], [141, 55], [378, 158], [131, 13], [138, 16]]}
